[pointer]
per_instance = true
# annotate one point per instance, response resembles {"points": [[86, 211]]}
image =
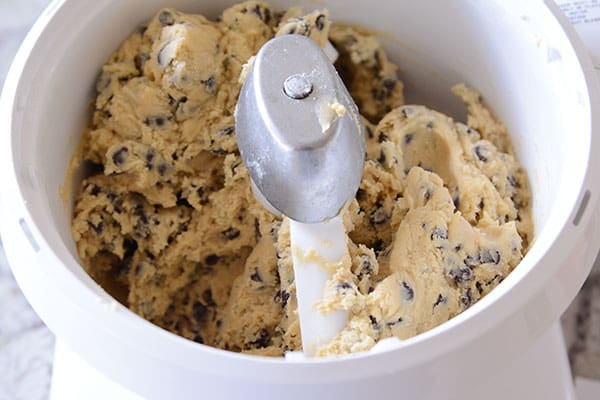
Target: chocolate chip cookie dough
{"points": [[167, 223]]}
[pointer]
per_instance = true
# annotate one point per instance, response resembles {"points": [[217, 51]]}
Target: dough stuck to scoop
{"points": [[166, 221]]}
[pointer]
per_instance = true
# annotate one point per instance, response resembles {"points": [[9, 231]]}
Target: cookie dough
{"points": [[166, 221]]}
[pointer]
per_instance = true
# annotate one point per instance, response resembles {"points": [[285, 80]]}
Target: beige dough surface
{"points": [[166, 221]]}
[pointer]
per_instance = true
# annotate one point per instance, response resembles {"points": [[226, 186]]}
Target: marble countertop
{"points": [[26, 345]]}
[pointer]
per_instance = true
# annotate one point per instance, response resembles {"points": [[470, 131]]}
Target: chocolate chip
{"points": [[264, 16], [361, 194], [112, 197], [120, 156], [481, 153], [106, 114], [182, 201], [282, 297], [203, 197], [512, 181], [182, 322], [497, 278], [98, 228], [381, 158], [406, 111], [199, 311], [407, 292], [439, 233], [426, 194], [456, 201], [230, 233], [162, 169], [389, 84], [382, 137], [262, 341], [211, 259], [138, 211], [198, 339], [378, 216], [378, 246], [218, 152], [208, 298], [256, 10], [344, 285], [166, 18], [92, 189], [149, 158], [429, 125], [256, 276], [210, 84], [466, 299], [440, 300], [461, 275], [408, 138], [366, 267], [139, 61], [226, 131], [320, 22], [478, 287], [394, 323], [369, 132], [267, 16], [374, 323], [487, 256], [257, 232], [130, 246], [158, 121]]}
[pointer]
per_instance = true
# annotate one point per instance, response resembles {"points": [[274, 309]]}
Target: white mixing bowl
{"points": [[521, 55]]}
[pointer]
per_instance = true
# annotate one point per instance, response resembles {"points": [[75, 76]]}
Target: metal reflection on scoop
{"points": [[299, 131]]}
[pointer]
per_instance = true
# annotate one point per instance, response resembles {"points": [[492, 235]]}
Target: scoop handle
{"points": [[314, 245]]}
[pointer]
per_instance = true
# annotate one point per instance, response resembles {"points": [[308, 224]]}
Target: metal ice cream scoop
{"points": [[300, 136], [299, 131]]}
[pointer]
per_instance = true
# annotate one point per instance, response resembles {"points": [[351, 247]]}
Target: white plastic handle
{"points": [[313, 245]]}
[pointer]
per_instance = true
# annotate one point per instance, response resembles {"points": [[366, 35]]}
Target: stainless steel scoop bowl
{"points": [[299, 131]]}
